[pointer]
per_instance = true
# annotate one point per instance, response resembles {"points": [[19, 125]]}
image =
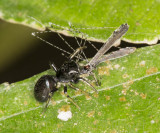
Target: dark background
{"points": [[22, 55]]}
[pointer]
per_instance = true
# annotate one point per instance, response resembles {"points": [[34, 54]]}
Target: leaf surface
{"points": [[128, 100], [142, 16]]}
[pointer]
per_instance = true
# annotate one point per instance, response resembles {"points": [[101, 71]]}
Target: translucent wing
{"points": [[117, 34], [116, 54]]}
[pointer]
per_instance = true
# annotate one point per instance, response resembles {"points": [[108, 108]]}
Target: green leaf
{"points": [[142, 16], [128, 100]]}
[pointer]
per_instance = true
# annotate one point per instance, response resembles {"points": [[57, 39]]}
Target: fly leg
{"points": [[65, 92], [98, 83], [75, 88], [85, 81], [76, 52]]}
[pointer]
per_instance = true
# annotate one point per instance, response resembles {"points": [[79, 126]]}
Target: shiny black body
{"points": [[46, 85], [68, 72]]}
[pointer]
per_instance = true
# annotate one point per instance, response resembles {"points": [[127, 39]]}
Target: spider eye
{"points": [[44, 86]]}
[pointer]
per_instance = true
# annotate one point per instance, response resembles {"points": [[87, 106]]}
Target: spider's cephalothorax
{"points": [[70, 72]]}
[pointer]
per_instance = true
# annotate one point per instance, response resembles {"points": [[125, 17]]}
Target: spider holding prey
{"points": [[70, 72]]}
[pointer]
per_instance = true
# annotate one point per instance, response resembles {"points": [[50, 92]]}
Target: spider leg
{"points": [[85, 81], [53, 66], [47, 103], [65, 92]]}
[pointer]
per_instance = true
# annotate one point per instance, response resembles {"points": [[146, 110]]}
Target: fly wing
{"points": [[116, 54], [116, 35]]}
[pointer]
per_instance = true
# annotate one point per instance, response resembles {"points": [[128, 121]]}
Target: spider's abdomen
{"points": [[44, 86]]}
